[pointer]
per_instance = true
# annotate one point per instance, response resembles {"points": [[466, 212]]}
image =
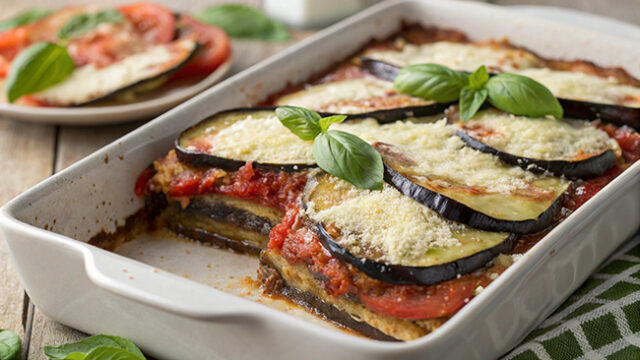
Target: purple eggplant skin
{"points": [[614, 114], [583, 169], [200, 159], [380, 69], [459, 212], [409, 275]]}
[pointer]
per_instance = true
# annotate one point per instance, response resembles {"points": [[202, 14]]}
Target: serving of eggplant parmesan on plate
{"points": [[391, 189], [94, 55]]}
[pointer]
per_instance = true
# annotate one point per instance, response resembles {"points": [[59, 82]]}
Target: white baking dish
{"points": [[174, 318]]}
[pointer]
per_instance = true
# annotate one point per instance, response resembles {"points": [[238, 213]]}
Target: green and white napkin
{"points": [[601, 320]]}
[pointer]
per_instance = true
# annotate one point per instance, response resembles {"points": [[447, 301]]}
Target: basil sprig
{"points": [[36, 68], [512, 93], [10, 345], [242, 21], [23, 18], [97, 347], [339, 153], [84, 22]]}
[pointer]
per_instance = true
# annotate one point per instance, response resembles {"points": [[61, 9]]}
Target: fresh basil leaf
{"points": [[83, 348], [84, 22], [521, 95], [10, 345], [431, 82], [36, 68], [350, 158], [301, 121], [23, 18], [111, 353], [327, 121], [470, 101], [242, 21], [478, 78]]}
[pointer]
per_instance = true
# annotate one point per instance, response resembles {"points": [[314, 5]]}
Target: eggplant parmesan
{"points": [[117, 52], [461, 200]]}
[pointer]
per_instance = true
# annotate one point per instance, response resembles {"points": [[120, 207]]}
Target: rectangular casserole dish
{"points": [[174, 318]]}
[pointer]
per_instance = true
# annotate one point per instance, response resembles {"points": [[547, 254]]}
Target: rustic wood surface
{"points": [[32, 152]]}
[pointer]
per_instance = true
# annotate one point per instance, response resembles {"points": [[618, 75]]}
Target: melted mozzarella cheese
{"points": [[89, 83], [540, 138], [387, 222], [335, 96], [580, 86], [458, 56]]}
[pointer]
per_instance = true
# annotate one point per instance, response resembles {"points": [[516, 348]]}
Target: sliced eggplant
{"points": [[429, 164], [577, 85], [394, 239], [136, 73], [599, 104], [570, 148], [231, 138], [222, 221], [459, 56], [365, 96]]}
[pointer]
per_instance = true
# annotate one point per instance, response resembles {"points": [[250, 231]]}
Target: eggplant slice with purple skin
{"points": [[427, 163], [611, 113], [570, 148], [121, 80], [327, 198], [229, 139], [360, 98]]}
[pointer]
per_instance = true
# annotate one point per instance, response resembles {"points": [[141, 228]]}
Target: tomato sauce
{"points": [[278, 190]]}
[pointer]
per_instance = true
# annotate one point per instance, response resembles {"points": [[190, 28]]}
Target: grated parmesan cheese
{"points": [[327, 96], [262, 139], [580, 86], [437, 152], [541, 138], [400, 228], [458, 56]]}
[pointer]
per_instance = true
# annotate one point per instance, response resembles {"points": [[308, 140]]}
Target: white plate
{"points": [[582, 19], [154, 103]]}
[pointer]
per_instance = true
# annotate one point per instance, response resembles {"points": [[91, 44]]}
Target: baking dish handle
{"points": [[165, 291]]}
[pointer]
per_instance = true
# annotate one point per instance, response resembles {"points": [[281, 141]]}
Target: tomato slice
{"points": [[11, 43], [407, 303], [215, 47], [155, 23]]}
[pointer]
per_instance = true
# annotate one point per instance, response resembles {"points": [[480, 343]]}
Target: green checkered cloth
{"points": [[601, 320]]}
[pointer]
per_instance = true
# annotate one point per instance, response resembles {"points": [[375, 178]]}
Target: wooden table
{"points": [[32, 152]]}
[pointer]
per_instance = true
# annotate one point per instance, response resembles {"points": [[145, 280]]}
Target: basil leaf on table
{"points": [[10, 345], [302, 122], [339, 153], [23, 18], [111, 353], [82, 23], [94, 346], [36, 68], [242, 21], [431, 82], [350, 158], [521, 95], [470, 102]]}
